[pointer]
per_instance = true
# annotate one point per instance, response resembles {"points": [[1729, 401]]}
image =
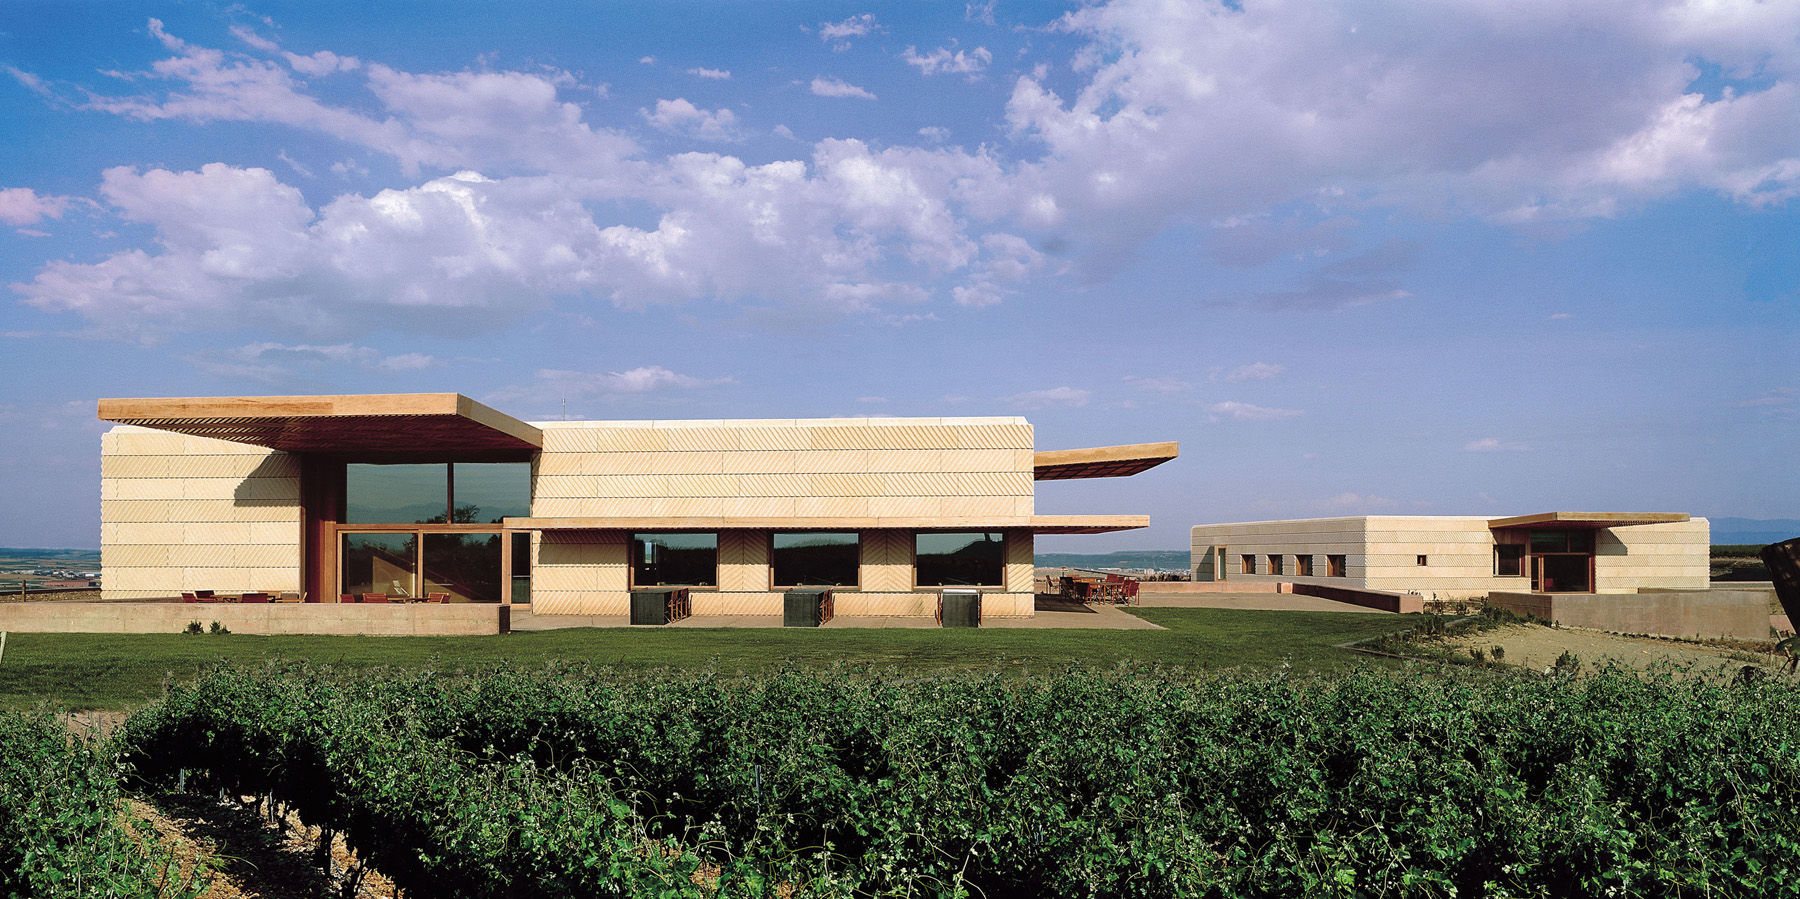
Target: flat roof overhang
{"points": [[1101, 461], [395, 425], [1039, 524], [1588, 519]]}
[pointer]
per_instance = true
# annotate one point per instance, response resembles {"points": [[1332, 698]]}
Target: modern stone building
{"points": [[408, 495], [1453, 557]]}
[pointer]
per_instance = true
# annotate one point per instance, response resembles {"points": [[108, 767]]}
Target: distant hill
{"points": [[1754, 530], [1151, 558], [65, 555]]}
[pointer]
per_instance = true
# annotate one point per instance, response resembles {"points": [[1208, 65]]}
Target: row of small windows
{"points": [[1335, 565], [819, 559]]}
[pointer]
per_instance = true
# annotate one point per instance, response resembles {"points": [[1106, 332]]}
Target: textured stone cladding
{"points": [[1673, 555], [968, 468], [180, 513], [1317, 537]]}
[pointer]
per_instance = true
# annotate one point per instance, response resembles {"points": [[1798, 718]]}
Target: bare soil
{"points": [[1537, 647], [248, 857]]}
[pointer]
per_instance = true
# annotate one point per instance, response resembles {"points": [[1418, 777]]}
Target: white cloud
{"points": [[1166, 386], [1353, 501], [556, 385], [943, 61], [1055, 396], [713, 74], [408, 362], [1255, 371], [824, 86], [1237, 411], [271, 361], [1493, 445], [838, 34], [647, 60], [21, 206], [678, 116], [935, 134]]}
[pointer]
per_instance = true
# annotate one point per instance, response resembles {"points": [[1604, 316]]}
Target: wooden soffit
{"points": [[1041, 524], [1101, 461], [1588, 519], [397, 425]]}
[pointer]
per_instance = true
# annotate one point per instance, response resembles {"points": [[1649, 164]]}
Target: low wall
{"points": [[1368, 599], [1733, 614], [1211, 587], [391, 620]]}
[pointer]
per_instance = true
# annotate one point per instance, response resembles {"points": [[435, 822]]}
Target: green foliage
{"points": [[1129, 782], [195, 627], [60, 829], [218, 628]]}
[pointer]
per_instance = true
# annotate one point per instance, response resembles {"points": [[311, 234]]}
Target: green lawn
{"points": [[122, 671]]}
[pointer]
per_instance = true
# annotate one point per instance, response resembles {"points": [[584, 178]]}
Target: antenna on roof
{"points": [[565, 401]]}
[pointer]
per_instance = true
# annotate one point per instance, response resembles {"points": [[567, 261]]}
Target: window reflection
{"points": [[965, 559], [466, 566], [816, 559], [379, 563], [683, 560], [410, 493], [489, 491]]}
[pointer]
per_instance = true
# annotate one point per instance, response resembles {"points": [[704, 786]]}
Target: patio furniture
{"points": [[204, 594], [374, 597], [346, 597], [437, 597], [959, 608], [806, 607], [254, 597], [189, 597]]}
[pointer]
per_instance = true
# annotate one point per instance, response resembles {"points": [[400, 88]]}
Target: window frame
{"points": [[632, 562], [917, 585], [775, 584]]}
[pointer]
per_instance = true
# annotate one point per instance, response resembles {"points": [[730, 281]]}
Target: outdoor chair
{"points": [[254, 597], [189, 597], [374, 597], [346, 597], [437, 597]]}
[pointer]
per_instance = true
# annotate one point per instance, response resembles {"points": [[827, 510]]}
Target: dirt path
{"points": [[1537, 647], [248, 857]]}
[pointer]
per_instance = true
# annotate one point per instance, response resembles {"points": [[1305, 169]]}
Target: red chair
{"points": [[374, 597], [346, 597], [437, 597], [254, 597], [189, 597]]}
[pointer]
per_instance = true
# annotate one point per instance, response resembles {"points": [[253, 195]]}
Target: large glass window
{"points": [[677, 560], [521, 568], [958, 560], [395, 494], [380, 563], [1579, 541], [1509, 560], [816, 559], [466, 566], [436, 492], [486, 492]]}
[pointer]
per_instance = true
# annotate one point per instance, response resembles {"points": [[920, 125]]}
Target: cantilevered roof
{"points": [[1041, 524], [1101, 461], [1589, 519], [394, 425]]}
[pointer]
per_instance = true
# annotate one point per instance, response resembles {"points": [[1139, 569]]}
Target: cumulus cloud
{"points": [[1493, 445], [273, 362], [1236, 411], [21, 206], [825, 86], [1255, 371], [555, 385], [678, 116], [944, 61], [1055, 396], [713, 74], [838, 34]]}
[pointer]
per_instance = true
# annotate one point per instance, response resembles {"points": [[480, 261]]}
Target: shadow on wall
{"points": [[275, 481]]}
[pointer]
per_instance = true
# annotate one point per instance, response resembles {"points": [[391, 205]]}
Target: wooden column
{"points": [[322, 501]]}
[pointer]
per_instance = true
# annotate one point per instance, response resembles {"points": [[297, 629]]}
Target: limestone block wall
{"points": [[903, 467], [1675, 554], [181, 513], [1318, 537], [1458, 551]]}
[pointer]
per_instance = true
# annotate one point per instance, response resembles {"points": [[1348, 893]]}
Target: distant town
{"points": [[33, 570]]}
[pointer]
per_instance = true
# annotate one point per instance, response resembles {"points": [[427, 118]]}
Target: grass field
{"points": [[122, 671]]}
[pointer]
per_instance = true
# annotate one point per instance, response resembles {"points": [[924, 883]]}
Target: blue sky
{"points": [[1373, 257]]}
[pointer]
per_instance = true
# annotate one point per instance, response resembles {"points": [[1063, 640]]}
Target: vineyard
{"points": [[565, 781]]}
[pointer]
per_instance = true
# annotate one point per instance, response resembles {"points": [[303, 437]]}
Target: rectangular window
{"points": [[396, 494], [520, 576], [1335, 567], [379, 563], [466, 566], [1509, 561], [960, 559], [1274, 563], [1247, 563], [486, 492], [1303, 566], [675, 560], [1421, 560], [819, 559]]}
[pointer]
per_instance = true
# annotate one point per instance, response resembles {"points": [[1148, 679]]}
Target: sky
{"points": [[1480, 257]]}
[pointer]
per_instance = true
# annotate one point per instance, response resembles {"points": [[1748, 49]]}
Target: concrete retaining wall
{"points": [[1734, 614], [408, 619], [1368, 599]]}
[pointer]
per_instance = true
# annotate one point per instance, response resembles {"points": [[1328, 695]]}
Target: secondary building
{"points": [[419, 494], [1456, 557]]}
